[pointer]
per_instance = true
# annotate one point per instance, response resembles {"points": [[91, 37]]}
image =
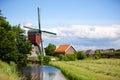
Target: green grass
{"points": [[102, 69], [8, 72]]}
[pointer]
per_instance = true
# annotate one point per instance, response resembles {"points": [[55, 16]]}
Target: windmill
{"points": [[35, 35]]}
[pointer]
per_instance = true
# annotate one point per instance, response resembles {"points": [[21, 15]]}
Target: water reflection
{"points": [[43, 73]]}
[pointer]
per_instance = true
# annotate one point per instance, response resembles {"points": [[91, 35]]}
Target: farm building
{"points": [[65, 49]]}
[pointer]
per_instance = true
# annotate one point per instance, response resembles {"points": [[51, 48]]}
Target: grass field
{"points": [[102, 69]]}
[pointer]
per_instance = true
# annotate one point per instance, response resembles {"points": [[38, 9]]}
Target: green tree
{"points": [[117, 53], [118, 50], [22, 43], [50, 50], [112, 49], [13, 44], [8, 50]]}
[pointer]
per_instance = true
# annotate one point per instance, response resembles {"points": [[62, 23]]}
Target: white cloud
{"points": [[84, 37], [26, 24], [86, 31], [89, 47], [116, 43]]}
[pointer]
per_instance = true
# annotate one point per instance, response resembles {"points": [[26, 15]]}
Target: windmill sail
{"points": [[35, 35], [43, 31], [30, 28]]}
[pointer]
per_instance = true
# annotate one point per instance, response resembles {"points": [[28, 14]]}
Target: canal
{"points": [[35, 72]]}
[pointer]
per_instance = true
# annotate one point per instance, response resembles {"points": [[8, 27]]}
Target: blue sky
{"points": [[86, 24]]}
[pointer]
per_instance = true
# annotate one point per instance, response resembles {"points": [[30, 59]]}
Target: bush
{"points": [[40, 58], [81, 55], [97, 56], [105, 55], [117, 53], [67, 57], [60, 57], [63, 57], [71, 57], [44, 59]]}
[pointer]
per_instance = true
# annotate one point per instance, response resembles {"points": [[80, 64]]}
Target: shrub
{"points": [[67, 57], [117, 54], [97, 56], [46, 59], [60, 56], [81, 55], [105, 55], [40, 58], [63, 57], [71, 57]]}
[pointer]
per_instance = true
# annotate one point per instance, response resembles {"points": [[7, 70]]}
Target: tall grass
{"points": [[102, 69], [8, 72]]}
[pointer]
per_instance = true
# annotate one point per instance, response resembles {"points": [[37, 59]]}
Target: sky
{"points": [[86, 24]]}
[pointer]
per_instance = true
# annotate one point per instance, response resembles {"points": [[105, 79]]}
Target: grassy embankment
{"points": [[102, 69], [8, 72]]}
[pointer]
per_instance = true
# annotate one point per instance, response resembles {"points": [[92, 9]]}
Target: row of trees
{"points": [[114, 54], [14, 45]]}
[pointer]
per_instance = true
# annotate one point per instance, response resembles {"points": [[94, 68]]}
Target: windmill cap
{"points": [[33, 32]]}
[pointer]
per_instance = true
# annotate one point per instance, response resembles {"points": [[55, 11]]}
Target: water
{"points": [[36, 72]]}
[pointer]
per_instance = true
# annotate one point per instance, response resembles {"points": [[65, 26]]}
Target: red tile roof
{"points": [[62, 48]]}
